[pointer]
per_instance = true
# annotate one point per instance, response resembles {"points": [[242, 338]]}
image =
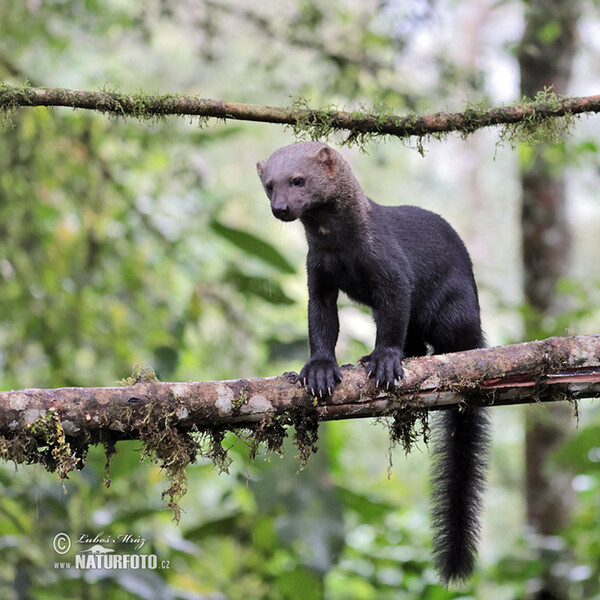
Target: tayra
{"points": [[413, 270]]}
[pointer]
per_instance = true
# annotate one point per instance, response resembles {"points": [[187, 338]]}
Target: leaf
{"points": [[254, 246], [266, 288], [300, 584], [226, 525], [582, 452], [288, 351], [371, 509], [166, 359]]}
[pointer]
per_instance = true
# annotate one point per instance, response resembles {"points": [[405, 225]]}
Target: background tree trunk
{"points": [[545, 58]]}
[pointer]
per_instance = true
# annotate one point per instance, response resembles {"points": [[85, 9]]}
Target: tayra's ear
{"points": [[326, 156], [260, 165]]}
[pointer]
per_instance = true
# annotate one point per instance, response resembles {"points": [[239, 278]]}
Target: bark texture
{"points": [[544, 371]]}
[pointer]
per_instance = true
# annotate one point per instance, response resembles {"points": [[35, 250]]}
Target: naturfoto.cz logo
{"points": [[98, 556]]}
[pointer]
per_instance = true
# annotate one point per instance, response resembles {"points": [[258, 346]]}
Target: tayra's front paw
{"points": [[320, 376], [384, 364]]}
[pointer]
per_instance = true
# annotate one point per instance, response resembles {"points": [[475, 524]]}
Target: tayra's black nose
{"points": [[282, 212]]}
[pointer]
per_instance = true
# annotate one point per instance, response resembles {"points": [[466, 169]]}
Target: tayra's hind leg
{"points": [[415, 345]]}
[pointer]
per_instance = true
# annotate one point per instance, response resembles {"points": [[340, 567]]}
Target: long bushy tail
{"points": [[458, 476]]}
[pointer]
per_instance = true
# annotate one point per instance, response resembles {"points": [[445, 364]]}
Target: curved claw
{"points": [[385, 365], [320, 376]]}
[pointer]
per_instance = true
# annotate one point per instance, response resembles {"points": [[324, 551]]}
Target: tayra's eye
{"points": [[298, 182], [269, 188]]}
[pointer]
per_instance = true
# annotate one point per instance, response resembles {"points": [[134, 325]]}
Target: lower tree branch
{"points": [[548, 370], [176, 422]]}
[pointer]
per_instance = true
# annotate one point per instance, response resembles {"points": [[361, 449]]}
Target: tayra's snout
{"points": [[282, 211]]}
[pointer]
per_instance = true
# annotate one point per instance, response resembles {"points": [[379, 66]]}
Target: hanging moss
{"points": [[158, 425], [407, 425], [166, 442], [313, 124], [540, 125], [271, 432], [171, 449], [44, 442], [542, 121], [11, 99]]}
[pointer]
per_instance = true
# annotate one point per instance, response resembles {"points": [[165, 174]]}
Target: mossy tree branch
{"points": [[176, 422], [547, 370], [547, 106]]}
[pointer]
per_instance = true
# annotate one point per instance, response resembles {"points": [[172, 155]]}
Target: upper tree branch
{"points": [[357, 123], [548, 370]]}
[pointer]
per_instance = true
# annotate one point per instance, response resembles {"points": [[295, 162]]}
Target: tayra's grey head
{"points": [[300, 177]]}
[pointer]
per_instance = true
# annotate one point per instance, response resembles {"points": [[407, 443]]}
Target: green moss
{"points": [[146, 108], [170, 448], [473, 114], [540, 125], [110, 449], [165, 442], [271, 432], [407, 425], [313, 124], [306, 435], [11, 99], [212, 448], [139, 374], [44, 442], [322, 123], [241, 399]]}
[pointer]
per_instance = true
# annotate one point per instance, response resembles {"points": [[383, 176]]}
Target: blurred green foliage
{"points": [[122, 243]]}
